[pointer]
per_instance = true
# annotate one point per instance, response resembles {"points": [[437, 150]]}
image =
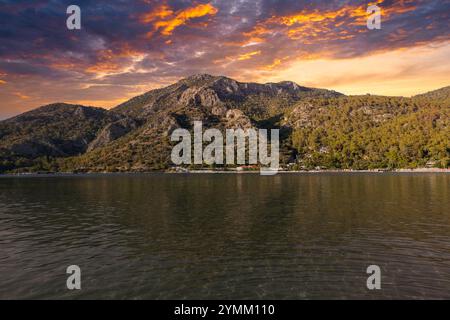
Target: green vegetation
{"points": [[319, 128], [374, 132]]}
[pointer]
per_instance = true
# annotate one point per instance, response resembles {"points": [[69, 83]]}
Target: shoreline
{"points": [[337, 171]]}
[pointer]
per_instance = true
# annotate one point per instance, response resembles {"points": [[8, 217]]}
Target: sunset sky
{"points": [[126, 48]]}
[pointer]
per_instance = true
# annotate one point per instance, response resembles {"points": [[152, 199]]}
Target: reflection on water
{"points": [[226, 236]]}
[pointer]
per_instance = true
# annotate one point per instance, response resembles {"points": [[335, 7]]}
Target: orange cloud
{"points": [[104, 67], [164, 18], [161, 12], [275, 64], [315, 25], [307, 17], [20, 95], [249, 55], [121, 52], [116, 60], [65, 65], [2, 82]]}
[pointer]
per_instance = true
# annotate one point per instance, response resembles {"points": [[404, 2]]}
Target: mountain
{"points": [[52, 131], [319, 128], [218, 94], [442, 94]]}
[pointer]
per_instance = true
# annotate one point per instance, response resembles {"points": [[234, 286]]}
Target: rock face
{"points": [[236, 119], [300, 117], [200, 96], [215, 94], [113, 131], [219, 111]]}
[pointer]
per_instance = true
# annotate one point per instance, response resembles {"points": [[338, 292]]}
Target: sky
{"points": [[125, 48]]}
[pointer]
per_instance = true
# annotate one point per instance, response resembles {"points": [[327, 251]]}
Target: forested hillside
{"points": [[319, 128]]}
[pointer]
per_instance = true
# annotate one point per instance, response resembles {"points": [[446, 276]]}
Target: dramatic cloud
{"points": [[164, 18], [127, 47]]}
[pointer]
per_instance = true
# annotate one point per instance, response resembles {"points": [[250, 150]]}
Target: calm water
{"points": [[304, 236]]}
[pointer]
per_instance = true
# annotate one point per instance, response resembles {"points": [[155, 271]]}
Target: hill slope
{"points": [[319, 128], [442, 95], [51, 131], [367, 132]]}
